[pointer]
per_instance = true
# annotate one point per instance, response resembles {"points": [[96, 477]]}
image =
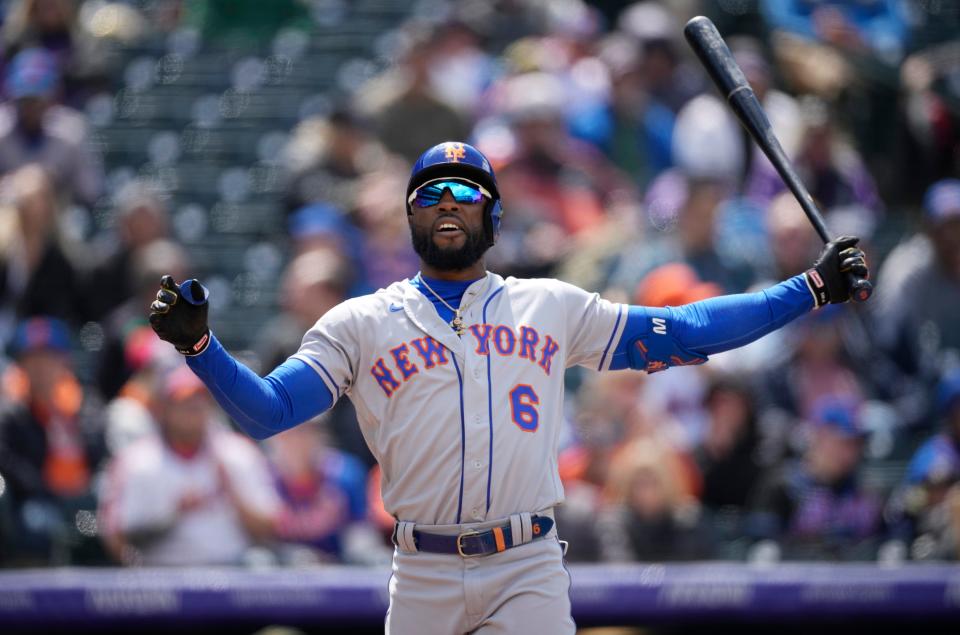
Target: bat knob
{"points": [[860, 289]]}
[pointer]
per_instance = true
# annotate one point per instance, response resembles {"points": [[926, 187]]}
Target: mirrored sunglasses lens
{"points": [[427, 196], [465, 193], [431, 194]]}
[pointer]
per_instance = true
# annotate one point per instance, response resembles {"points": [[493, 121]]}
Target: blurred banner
{"points": [[678, 594]]}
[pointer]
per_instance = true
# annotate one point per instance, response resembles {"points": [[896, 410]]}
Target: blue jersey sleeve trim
{"points": [[329, 377], [291, 394], [616, 325], [656, 338], [320, 370]]}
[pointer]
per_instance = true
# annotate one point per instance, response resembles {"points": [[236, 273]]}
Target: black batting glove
{"points": [[179, 315], [838, 268]]}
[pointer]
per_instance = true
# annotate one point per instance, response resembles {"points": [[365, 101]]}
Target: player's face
{"points": [[449, 235]]}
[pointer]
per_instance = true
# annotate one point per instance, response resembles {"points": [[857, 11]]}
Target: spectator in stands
{"points": [[669, 79], [649, 516], [731, 458], [34, 128], [673, 284], [815, 507], [324, 501], [632, 128], [814, 365], [141, 218], [931, 127], [52, 25], [462, 69], [312, 284], [37, 271], [123, 326], [605, 420], [129, 415], [559, 186], [328, 156], [675, 399], [878, 27], [925, 511], [322, 226], [51, 444], [792, 246], [829, 165], [382, 219], [792, 236], [760, 181], [918, 289], [727, 456], [407, 112], [846, 52], [686, 208], [325, 227], [194, 494]]}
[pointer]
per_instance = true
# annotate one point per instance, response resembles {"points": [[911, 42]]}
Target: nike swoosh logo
{"points": [[394, 308]]}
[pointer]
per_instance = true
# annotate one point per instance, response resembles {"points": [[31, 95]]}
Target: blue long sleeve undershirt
{"points": [[262, 406], [711, 326], [293, 392]]}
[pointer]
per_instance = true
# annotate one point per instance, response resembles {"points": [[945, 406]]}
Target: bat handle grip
{"points": [[860, 289]]}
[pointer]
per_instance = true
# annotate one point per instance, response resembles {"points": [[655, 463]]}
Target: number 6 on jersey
{"points": [[523, 411]]}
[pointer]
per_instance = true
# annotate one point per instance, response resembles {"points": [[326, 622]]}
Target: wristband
{"points": [[198, 347], [817, 286]]}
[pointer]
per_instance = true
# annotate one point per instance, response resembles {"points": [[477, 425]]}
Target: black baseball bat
{"points": [[709, 46]]}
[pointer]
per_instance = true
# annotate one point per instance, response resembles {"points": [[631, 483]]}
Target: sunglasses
{"points": [[462, 190]]}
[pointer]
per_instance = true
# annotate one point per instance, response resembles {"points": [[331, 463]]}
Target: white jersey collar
{"points": [[423, 314]]}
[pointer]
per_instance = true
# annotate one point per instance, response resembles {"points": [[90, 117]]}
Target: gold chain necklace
{"points": [[456, 323]]}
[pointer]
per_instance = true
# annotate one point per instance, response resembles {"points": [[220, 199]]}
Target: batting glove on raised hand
{"points": [[179, 315], [837, 272]]}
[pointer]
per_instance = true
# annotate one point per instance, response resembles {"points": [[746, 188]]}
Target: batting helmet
{"points": [[456, 159]]}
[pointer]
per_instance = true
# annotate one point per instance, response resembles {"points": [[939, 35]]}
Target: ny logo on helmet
{"points": [[454, 152]]}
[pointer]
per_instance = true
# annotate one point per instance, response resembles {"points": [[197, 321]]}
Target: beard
{"points": [[449, 259]]}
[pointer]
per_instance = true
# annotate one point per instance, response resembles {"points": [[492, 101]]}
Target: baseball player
{"points": [[457, 379]]}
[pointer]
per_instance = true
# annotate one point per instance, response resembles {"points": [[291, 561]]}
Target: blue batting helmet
{"points": [[458, 159]]}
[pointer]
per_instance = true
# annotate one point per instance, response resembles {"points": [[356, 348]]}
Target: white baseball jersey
{"points": [[465, 428], [147, 482]]}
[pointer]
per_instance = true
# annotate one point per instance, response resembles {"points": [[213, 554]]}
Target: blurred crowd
{"points": [[621, 170]]}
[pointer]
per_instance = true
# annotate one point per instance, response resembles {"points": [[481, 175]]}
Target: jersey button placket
{"points": [[477, 437]]}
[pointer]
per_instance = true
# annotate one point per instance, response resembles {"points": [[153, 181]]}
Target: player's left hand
{"points": [[840, 265]]}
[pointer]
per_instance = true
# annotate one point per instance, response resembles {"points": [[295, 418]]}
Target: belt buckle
{"points": [[460, 544]]}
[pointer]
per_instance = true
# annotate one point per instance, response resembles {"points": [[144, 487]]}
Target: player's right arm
{"points": [[262, 406]]}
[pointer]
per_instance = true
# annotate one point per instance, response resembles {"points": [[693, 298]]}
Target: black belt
{"points": [[479, 543]]}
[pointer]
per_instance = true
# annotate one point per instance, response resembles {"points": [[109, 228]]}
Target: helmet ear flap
{"points": [[491, 221]]}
